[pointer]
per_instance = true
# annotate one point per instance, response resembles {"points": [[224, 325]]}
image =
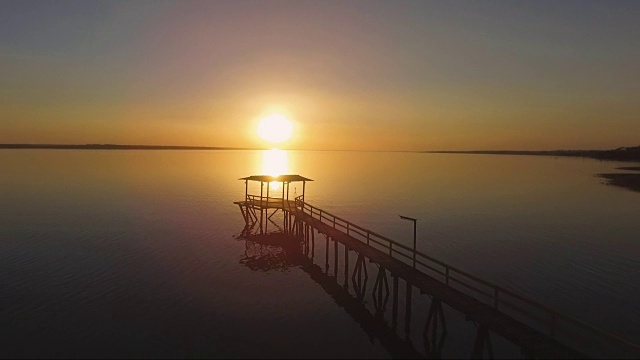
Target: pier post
{"points": [[246, 221], [306, 239], [380, 301], [285, 215], [436, 313], [335, 259], [482, 340], [394, 311], [326, 255], [346, 267], [313, 243], [407, 310], [360, 286], [266, 208], [309, 234], [433, 347], [261, 212]]}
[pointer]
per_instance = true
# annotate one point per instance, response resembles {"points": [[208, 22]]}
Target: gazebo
{"points": [[265, 201]]}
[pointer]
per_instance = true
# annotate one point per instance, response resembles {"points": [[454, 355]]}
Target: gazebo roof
{"points": [[279, 178]]}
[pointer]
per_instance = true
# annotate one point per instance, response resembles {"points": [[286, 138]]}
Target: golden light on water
{"points": [[275, 128], [275, 162]]}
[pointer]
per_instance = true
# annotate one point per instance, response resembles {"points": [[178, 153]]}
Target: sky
{"points": [[351, 75]]}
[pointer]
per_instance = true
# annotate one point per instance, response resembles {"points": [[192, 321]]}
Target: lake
{"points": [[138, 254]]}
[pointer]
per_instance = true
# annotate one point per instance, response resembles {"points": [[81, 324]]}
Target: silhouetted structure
{"points": [[532, 326], [264, 202]]}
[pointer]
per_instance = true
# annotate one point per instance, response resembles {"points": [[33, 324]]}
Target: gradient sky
{"points": [[414, 75]]}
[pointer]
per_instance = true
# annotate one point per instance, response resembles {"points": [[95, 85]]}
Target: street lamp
{"points": [[414, 236]]}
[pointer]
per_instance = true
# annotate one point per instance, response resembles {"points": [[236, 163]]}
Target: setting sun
{"points": [[275, 128]]}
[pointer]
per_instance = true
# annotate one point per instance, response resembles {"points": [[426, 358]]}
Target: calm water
{"points": [[135, 253]]}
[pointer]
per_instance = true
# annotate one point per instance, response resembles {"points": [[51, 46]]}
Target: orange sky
{"points": [[351, 75]]}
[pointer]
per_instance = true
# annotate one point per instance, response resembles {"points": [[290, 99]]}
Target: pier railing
{"points": [[266, 201], [548, 319]]}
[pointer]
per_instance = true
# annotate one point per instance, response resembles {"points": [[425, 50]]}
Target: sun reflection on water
{"points": [[275, 162]]}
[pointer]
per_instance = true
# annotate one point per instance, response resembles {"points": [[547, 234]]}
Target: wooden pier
{"points": [[534, 327]]}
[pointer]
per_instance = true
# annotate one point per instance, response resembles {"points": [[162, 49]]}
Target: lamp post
{"points": [[414, 236]]}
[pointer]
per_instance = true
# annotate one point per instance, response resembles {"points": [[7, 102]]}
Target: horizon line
{"points": [[110, 146]]}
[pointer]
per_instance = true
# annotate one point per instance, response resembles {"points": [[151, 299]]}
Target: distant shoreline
{"points": [[116, 147], [619, 154]]}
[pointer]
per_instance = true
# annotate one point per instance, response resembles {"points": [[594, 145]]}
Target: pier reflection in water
{"points": [[406, 323]]}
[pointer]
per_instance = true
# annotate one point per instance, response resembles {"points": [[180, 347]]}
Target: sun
{"points": [[275, 128]]}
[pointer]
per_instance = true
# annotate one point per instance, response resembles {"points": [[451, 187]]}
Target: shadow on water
{"points": [[279, 251]]}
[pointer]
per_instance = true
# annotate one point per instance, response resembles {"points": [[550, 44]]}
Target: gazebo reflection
{"points": [[273, 251]]}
